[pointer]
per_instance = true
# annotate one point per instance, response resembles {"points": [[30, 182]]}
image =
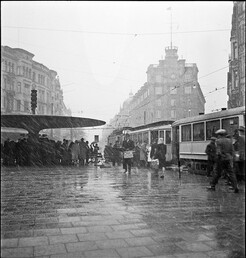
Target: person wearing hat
{"points": [[239, 157], [224, 154], [127, 147], [211, 153]]}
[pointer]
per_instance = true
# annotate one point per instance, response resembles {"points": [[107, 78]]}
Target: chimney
{"points": [[201, 114], [223, 109]]}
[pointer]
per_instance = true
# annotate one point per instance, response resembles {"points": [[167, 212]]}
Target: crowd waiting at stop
{"points": [[45, 151]]}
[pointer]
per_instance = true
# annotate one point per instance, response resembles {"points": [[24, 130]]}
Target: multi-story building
{"points": [[236, 74], [172, 91], [19, 75]]}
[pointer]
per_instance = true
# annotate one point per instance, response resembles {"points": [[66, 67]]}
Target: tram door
{"points": [[154, 136]]}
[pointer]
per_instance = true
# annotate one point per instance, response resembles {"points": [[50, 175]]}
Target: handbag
{"points": [[128, 154]]}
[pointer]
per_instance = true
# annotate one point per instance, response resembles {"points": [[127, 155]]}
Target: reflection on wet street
{"points": [[102, 212]]}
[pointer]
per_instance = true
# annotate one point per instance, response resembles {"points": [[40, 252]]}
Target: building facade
{"points": [[172, 92], [236, 74], [19, 75]]}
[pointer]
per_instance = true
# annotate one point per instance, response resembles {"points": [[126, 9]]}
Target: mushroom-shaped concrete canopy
{"points": [[35, 123]]}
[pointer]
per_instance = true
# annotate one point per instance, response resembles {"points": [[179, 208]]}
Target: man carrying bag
{"points": [[127, 147]]}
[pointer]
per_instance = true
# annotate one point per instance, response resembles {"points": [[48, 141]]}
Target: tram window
{"points": [[211, 128], [135, 138], [140, 138], [162, 134], [154, 136], [168, 137], [230, 124], [198, 132], [186, 133], [145, 137]]}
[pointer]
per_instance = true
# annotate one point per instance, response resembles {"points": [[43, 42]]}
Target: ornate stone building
{"points": [[172, 91], [19, 75], [236, 74]]}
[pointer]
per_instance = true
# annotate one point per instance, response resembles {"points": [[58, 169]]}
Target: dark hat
{"points": [[213, 138], [221, 132]]}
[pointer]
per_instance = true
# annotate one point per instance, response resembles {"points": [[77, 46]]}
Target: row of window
{"points": [[8, 67], [140, 99], [196, 132], [26, 72], [172, 90], [156, 134], [9, 84], [11, 104], [149, 116], [161, 79]]}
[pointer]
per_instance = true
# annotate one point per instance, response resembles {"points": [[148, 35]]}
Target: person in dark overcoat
{"points": [[127, 145], [211, 153], [224, 161]]}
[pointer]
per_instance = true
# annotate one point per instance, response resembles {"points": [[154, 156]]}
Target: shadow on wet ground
{"points": [[102, 212]]}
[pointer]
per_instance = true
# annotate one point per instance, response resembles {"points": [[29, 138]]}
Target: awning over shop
{"points": [[35, 123]]}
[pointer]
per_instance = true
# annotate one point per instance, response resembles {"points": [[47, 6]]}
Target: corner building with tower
{"points": [[172, 92]]}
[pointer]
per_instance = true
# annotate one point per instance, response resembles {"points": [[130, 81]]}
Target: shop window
{"points": [[198, 132], [186, 133]]}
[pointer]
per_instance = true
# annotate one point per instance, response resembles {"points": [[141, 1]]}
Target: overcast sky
{"points": [[101, 50]]}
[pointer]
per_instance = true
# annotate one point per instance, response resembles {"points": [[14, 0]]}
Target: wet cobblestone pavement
{"points": [[101, 212]]}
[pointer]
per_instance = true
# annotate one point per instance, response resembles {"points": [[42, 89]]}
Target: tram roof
{"points": [[210, 116], [36, 123], [159, 123]]}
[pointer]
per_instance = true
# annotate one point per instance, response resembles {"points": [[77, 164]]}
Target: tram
{"points": [[190, 136]]}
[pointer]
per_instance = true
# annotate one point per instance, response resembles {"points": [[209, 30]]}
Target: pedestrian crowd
{"points": [[43, 151], [226, 158], [137, 154]]}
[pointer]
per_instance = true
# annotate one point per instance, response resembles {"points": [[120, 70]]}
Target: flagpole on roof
{"points": [[170, 9]]}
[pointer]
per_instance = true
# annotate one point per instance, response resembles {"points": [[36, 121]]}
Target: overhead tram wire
{"points": [[216, 89], [112, 33]]}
